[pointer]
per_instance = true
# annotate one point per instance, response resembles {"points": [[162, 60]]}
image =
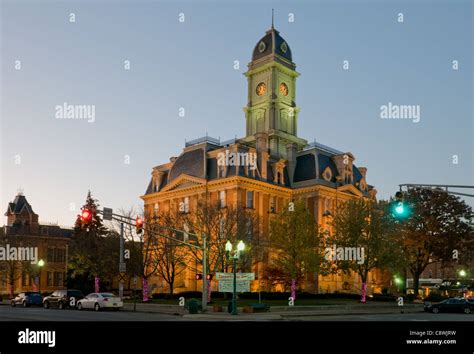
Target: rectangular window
{"points": [[60, 255], [49, 280], [249, 199], [25, 279], [222, 201], [50, 255], [272, 204]]}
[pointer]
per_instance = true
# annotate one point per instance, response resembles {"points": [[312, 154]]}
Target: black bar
{"points": [[221, 337]]}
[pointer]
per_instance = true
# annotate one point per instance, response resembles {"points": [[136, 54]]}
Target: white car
{"points": [[100, 301]]}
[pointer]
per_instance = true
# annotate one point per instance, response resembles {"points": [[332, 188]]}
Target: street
{"points": [[8, 313], [417, 316]]}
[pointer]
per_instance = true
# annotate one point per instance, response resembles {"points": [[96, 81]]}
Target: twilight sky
{"points": [[189, 64]]}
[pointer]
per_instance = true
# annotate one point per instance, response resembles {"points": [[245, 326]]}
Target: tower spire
{"points": [[272, 18]]}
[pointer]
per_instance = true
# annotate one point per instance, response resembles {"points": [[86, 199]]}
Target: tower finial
{"points": [[272, 18]]}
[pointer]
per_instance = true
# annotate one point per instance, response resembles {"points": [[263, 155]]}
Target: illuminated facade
{"points": [[286, 168]]}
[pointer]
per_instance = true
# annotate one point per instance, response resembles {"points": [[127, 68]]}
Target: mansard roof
{"points": [[196, 161], [18, 205]]}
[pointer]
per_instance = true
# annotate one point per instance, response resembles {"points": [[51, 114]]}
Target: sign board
{"points": [[122, 267], [240, 276], [122, 276], [226, 286], [107, 213]]}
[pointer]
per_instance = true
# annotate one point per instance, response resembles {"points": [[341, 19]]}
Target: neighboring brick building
{"points": [[23, 229], [287, 166]]}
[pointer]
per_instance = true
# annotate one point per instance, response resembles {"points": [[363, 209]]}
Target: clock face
{"points": [[283, 89], [261, 89]]}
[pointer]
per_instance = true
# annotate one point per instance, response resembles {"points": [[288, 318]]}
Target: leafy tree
{"points": [[87, 257], [367, 226], [437, 227], [296, 239]]}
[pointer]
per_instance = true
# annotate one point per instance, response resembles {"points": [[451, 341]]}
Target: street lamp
{"points": [[40, 264], [462, 274], [235, 256]]}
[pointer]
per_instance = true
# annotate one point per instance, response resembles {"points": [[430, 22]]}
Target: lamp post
{"points": [[40, 264], [235, 256], [462, 274]]}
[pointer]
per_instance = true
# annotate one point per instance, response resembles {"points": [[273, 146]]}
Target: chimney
{"points": [[363, 171], [291, 158], [262, 153]]}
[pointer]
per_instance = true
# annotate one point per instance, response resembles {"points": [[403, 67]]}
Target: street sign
{"points": [[107, 213], [226, 286], [122, 267], [135, 280], [240, 276], [122, 276]]}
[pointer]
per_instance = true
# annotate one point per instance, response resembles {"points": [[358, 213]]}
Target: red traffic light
{"points": [[209, 277], [86, 216], [139, 224], [198, 276]]}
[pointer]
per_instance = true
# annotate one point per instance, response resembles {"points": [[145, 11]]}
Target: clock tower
{"points": [[271, 106]]}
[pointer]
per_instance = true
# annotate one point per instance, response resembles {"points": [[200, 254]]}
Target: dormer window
{"points": [[327, 174], [221, 171], [279, 175]]}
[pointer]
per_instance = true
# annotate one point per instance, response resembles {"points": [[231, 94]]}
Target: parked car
{"points": [[451, 305], [63, 299], [99, 301], [27, 299]]}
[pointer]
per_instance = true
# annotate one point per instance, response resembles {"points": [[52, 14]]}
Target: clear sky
{"points": [[190, 64]]}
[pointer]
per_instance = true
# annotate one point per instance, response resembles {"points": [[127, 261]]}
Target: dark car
{"points": [[63, 299], [451, 305], [27, 299]]}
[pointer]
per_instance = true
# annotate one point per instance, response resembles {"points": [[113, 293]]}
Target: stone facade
{"points": [[286, 168]]}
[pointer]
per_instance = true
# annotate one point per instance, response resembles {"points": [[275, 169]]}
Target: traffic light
{"points": [[198, 276], [209, 277], [400, 208], [86, 217], [139, 225]]}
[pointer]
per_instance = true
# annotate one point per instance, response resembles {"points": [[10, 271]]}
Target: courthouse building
{"points": [[287, 167]]}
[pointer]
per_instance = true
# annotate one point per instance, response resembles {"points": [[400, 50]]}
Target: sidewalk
{"points": [[280, 312]]}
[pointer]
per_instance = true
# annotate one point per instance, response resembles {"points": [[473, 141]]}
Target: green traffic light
{"points": [[400, 209]]}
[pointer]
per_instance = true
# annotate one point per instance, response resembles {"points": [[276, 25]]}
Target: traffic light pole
{"points": [[129, 221], [121, 261]]}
